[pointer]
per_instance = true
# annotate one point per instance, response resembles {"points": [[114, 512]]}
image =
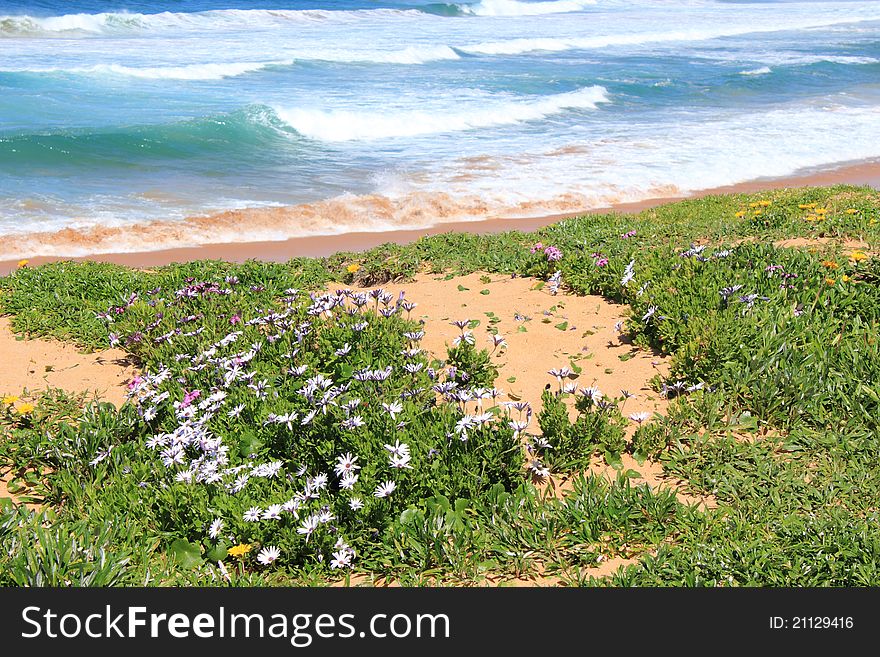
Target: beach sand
{"points": [[865, 173]]}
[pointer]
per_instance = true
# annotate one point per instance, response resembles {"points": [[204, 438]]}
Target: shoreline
{"points": [[864, 173]]}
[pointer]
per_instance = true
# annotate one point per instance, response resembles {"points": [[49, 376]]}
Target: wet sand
{"points": [[865, 173]]}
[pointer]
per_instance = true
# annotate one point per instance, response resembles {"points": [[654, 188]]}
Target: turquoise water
{"points": [[372, 115]]}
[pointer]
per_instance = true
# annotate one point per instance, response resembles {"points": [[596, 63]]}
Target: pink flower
{"points": [[189, 397], [601, 262], [538, 247], [553, 254], [235, 319]]}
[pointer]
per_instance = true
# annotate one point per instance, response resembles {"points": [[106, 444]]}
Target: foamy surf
{"points": [[348, 125], [517, 8]]}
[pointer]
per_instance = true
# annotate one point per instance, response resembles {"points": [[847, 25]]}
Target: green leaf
{"points": [[249, 444], [563, 326], [217, 552], [484, 292], [462, 288], [409, 516], [625, 357], [613, 460], [511, 379], [474, 323], [522, 329], [187, 554]]}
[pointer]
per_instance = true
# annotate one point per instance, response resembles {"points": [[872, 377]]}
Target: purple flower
{"points": [[553, 254]]}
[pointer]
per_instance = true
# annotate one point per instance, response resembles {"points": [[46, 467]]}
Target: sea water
{"points": [[119, 119]]}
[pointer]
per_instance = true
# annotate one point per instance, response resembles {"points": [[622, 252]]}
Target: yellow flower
{"points": [[753, 205], [804, 206], [858, 256], [830, 264], [872, 222], [10, 399], [852, 211], [239, 550], [740, 214], [845, 278], [811, 205], [829, 281], [758, 213], [25, 408], [821, 210], [353, 268], [764, 204], [23, 263]]}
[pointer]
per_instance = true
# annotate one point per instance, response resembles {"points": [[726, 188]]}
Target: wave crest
{"points": [[348, 125]]}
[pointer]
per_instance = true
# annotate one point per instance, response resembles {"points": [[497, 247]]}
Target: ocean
{"points": [[126, 125]]}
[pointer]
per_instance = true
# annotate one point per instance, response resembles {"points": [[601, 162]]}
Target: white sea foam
{"points": [[347, 125], [516, 8], [110, 22], [764, 70], [552, 44]]}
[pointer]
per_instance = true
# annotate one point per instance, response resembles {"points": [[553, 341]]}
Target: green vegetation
{"points": [[256, 397]]}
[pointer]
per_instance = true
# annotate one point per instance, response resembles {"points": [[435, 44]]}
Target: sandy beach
{"points": [[863, 173]]}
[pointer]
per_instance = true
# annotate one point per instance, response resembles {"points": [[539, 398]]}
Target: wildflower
{"points": [[215, 528], [341, 559], [627, 235], [857, 256], [393, 409], [845, 279], [400, 461], [538, 469], [224, 571], [348, 480], [398, 448], [253, 514], [727, 292], [239, 550], [345, 464], [830, 264], [639, 417], [852, 211], [100, 455], [554, 254], [319, 481], [627, 394], [353, 268], [268, 554], [24, 408], [355, 504], [23, 263], [384, 489], [537, 247], [353, 422], [308, 526], [650, 312], [466, 336], [273, 512], [618, 326], [628, 273], [830, 281], [235, 411], [592, 393], [343, 350]]}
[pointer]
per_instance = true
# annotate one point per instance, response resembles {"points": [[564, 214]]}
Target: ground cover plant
{"points": [[279, 434]]}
